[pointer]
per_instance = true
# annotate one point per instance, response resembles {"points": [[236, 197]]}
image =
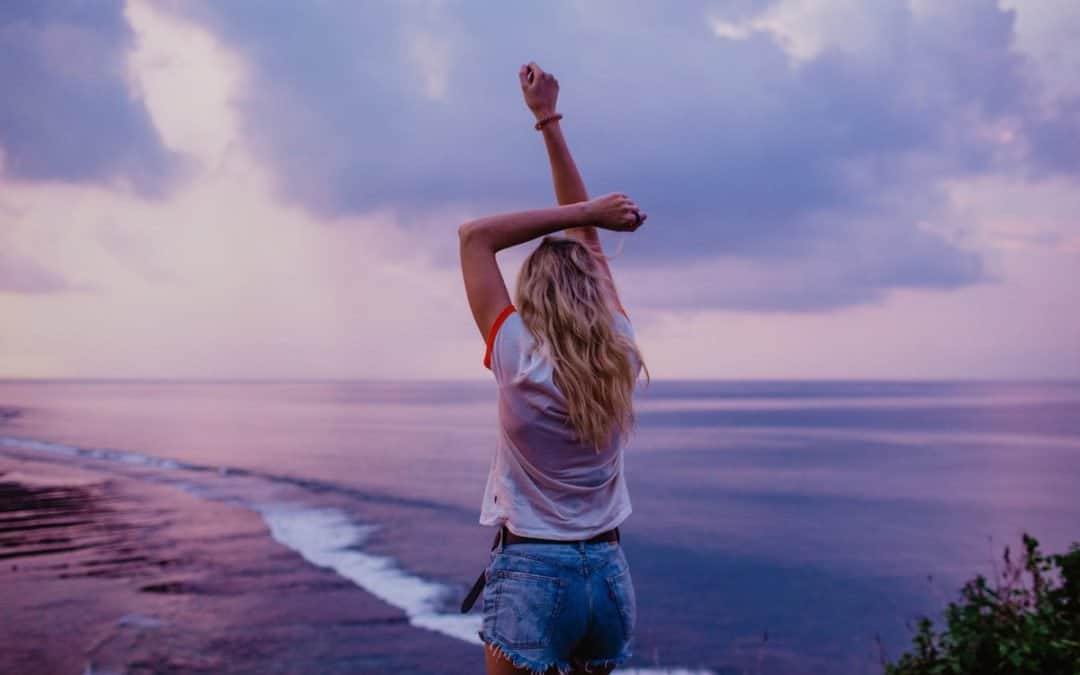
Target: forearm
{"points": [[569, 187], [510, 229]]}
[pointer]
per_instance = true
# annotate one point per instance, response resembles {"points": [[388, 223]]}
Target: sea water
{"points": [[804, 525]]}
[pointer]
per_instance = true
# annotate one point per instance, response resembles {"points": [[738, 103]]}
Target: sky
{"points": [[835, 189]]}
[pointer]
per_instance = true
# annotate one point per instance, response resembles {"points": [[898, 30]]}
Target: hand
{"points": [[541, 89], [614, 211]]}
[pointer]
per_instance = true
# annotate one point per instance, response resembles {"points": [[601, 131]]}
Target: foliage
{"points": [[1028, 623]]}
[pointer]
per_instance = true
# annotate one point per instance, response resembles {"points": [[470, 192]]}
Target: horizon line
{"points": [[382, 380]]}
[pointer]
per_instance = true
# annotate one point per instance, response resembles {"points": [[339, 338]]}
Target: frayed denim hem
{"points": [[600, 663], [519, 661]]}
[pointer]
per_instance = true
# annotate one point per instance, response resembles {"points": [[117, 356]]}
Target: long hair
{"points": [[563, 297]]}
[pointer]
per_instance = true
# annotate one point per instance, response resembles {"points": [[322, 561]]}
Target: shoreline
{"points": [[108, 574], [177, 551], [789, 510]]}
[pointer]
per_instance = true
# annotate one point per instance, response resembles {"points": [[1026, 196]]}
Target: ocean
{"points": [[777, 527]]}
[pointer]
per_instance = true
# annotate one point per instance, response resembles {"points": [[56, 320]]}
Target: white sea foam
{"points": [[95, 453], [29, 444], [327, 538]]}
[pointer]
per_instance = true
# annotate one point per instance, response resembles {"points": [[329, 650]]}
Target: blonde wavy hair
{"points": [[563, 298]]}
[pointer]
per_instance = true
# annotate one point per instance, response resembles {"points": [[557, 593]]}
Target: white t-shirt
{"points": [[543, 482]]}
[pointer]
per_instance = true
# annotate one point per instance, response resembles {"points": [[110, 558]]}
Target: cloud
{"points": [[773, 132], [804, 28], [833, 212], [810, 137], [823, 279], [218, 278], [68, 113], [1055, 139], [21, 275], [1045, 32]]}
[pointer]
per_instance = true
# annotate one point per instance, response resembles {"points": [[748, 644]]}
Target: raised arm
{"points": [[541, 91], [480, 239]]}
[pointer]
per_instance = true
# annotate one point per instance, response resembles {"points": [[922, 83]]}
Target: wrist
{"points": [[544, 122], [581, 215]]}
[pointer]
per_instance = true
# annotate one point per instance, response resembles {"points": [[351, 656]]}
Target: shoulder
{"points": [[508, 342], [497, 329]]}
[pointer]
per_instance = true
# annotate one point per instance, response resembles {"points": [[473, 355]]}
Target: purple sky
{"points": [[835, 188]]}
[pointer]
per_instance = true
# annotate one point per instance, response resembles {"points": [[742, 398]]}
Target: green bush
{"points": [[1028, 623]]}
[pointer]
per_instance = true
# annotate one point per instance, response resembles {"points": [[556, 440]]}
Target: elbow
{"points": [[469, 233], [465, 231]]}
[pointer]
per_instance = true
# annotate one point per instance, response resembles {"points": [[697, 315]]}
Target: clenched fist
{"points": [[541, 89], [614, 211]]}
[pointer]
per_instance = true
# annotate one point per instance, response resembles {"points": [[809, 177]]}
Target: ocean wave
{"points": [[328, 538], [139, 459], [96, 453], [325, 537]]}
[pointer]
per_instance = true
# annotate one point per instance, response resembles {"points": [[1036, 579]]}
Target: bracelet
{"points": [[550, 118]]}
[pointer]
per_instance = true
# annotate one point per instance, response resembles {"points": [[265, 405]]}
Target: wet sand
{"points": [[104, 574]]}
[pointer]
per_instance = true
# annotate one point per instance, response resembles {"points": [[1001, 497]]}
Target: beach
{"points": [[785, 528], [114, 575]]}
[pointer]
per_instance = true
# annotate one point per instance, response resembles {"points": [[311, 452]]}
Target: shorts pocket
{"points": [[621, 585], [524, 607]]}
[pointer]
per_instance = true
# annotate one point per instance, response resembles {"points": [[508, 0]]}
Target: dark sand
{"points": [[112, 575]]}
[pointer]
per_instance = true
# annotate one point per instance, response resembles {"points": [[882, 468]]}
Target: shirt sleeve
{"points": [[503, 344], [506, 339]]}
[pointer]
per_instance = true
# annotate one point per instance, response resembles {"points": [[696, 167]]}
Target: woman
{"points": [[558, 596]]}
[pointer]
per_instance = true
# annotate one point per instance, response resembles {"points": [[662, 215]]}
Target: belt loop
{"points": [[500, 539]]}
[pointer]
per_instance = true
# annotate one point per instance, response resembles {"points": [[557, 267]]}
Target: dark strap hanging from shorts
{"points": [[478, 585], [474, 592]]}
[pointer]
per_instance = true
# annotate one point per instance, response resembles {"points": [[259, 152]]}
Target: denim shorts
{"points": [[564, 605]]}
